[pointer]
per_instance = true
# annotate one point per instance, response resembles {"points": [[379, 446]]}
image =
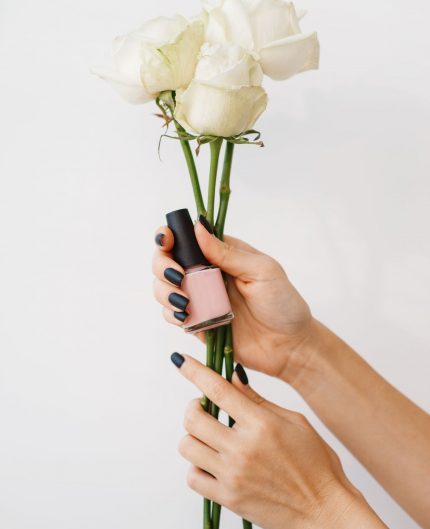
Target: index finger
{"points": [[164, 238], [216, 388]]}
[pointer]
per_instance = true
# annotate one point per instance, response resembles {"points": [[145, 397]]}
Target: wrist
{"points": [[342, 506], [306, 358]]}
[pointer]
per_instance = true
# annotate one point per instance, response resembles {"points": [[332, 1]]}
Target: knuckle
{"points": [[190, 417], [184, 446], [258, 399], [156, 287], [234, 501], [188, 422], [217, 390], [154, 265], [335, 458], [264, 428], [245, 458], [235, 486], [303, 419], [225, 252], [274, 266], [192, 479], [223, 498], [193, 407], [300, 419], [192, 372], [261, 427], [273, 428], [155, 261]]}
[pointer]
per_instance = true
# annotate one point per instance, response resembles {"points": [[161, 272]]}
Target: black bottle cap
{"points": [[186, 250]]}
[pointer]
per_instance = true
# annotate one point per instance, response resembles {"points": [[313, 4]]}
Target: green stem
{"points": [[207, 521], [210, 335], [224, 198], [216, 515], [229, 361], [185, 144], [210, 341], [219, 357], [223, 344], [224, 190], [228, 353], [215, 147], [219, 350]]}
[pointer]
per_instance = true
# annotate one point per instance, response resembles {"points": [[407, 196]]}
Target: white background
{"points": [[90, 406]]}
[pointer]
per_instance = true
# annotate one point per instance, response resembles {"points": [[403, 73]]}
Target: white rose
{"points": [[268, 29], [225, 97], [160, 55]]}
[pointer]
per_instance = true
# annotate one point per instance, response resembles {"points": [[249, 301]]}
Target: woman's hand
{"points": [[271, 468], [271, 316]]}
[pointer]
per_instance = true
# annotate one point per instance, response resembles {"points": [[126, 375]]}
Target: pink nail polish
{"points": [[209, 306]]}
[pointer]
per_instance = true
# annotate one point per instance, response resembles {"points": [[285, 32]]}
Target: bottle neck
{"points": [[198, 268]]}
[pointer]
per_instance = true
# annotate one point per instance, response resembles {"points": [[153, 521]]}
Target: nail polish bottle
{"points": [[209, 306]]}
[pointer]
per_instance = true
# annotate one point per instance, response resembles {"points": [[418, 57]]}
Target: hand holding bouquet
{"points": [[206, 75]]}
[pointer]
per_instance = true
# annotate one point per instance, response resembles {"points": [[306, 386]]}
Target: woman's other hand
{"points": [[272, 467]]}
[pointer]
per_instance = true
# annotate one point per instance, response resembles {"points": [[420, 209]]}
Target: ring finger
{"points": [[199, 454], [169, 296]]}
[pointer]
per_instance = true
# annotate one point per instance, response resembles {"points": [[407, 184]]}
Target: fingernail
{"points": [[178, 301], [174, 276], [240, 372], [159, 239], [181, 316], [206, 224], [177, 359]]}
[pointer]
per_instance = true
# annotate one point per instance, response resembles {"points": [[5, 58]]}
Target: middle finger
{"points": [[166, 269], [169, 296]]}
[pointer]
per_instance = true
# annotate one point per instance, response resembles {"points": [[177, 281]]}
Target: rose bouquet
{"points": [[205, 76]]}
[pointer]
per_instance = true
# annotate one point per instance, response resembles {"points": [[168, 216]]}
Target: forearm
{"points": [[387, 432]]}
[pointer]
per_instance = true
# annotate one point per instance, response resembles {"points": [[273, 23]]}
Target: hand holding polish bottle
{"points": [[209, 306]]}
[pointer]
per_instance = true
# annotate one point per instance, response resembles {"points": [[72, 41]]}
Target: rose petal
{"points": [[162, 30], [228, 66], [133, 93], [219, 112], [229, 22], [216, 27], [172, 66], [287, 57], [127, 58], [160, 56], [273, 20]]}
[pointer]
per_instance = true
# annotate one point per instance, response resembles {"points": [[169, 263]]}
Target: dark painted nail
{"points": [[240, 372], [177, 359], [178, 301], [181, 316], [173, 276], [206, 224], [159, 239]]}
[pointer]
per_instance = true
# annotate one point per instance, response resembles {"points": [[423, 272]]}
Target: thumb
{"points": [[237, 262], [240, 382]]}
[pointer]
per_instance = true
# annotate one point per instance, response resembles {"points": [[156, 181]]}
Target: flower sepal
{"points": [[249, 137]]}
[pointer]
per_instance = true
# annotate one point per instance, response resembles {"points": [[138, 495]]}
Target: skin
{"points": [[271, 318], [275, 333], [272, 467]]}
